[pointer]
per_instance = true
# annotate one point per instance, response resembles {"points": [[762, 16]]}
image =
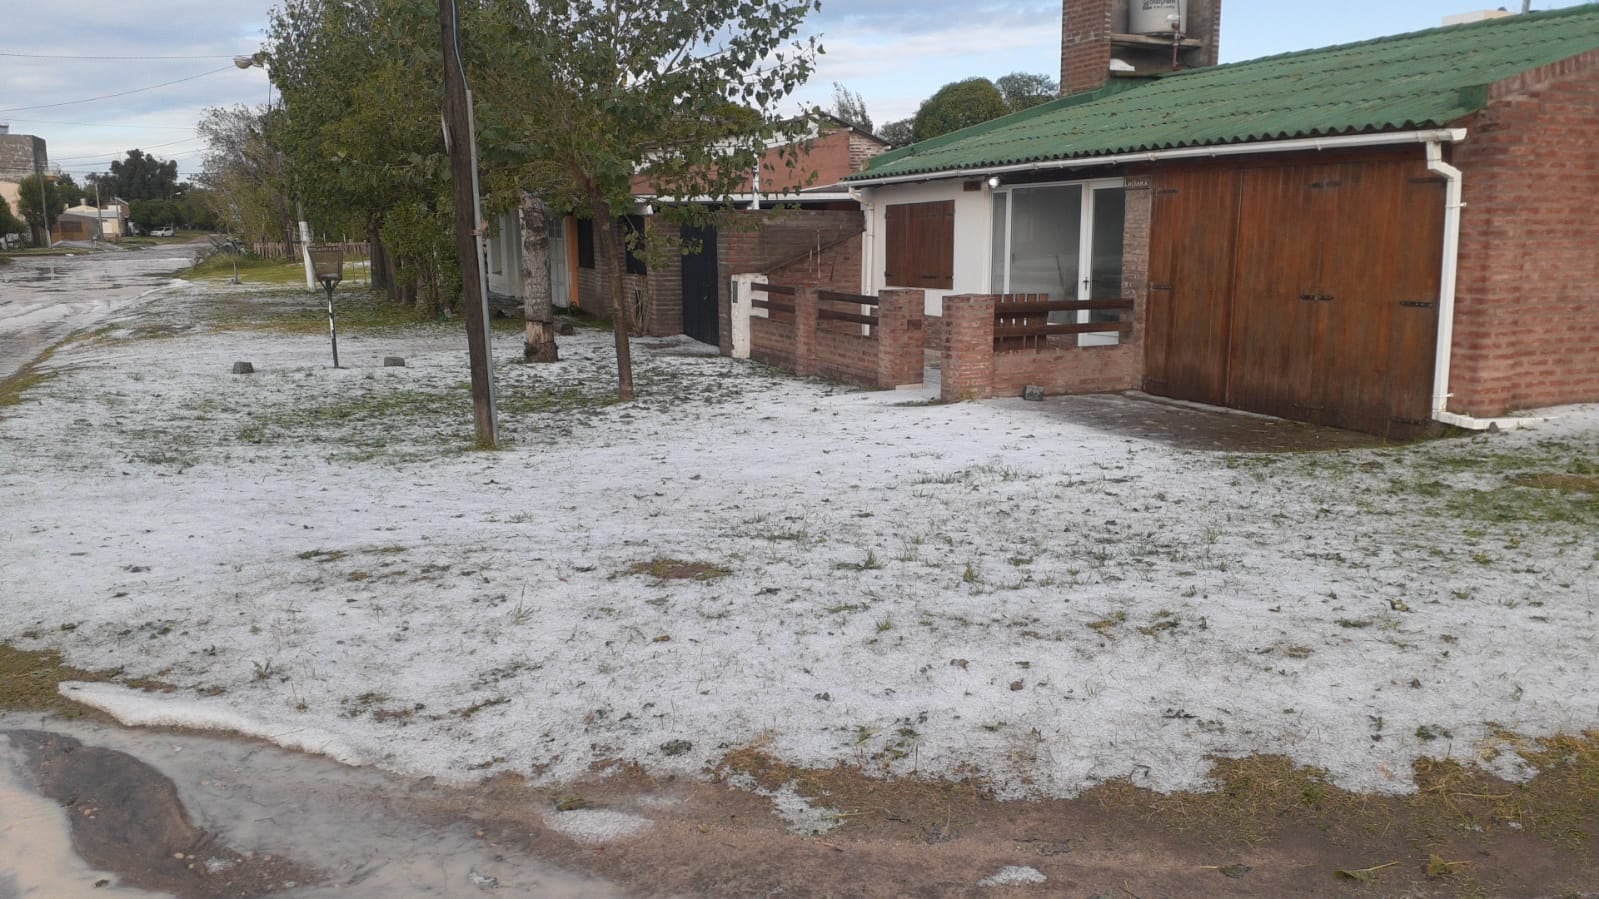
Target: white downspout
{"points": [[868, 241], [1447, 281]]}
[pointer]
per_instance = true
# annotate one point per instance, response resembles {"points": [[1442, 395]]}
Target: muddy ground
{"points": [[201, 816]]}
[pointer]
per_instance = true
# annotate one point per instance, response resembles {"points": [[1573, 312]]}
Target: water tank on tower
{"points": [[1156, 17]]}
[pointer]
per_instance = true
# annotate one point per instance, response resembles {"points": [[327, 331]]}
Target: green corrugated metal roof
{"points": [[1419, 80]]}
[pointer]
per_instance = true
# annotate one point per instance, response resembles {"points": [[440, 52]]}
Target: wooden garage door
{"points": [[1305, 291]]}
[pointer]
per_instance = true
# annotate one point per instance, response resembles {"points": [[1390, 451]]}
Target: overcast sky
{"points": [[58, 75]]}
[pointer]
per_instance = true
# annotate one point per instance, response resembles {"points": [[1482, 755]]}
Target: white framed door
{"points": [[1063, 240]]}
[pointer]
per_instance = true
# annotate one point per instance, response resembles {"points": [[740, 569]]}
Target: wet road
{"points": [[43, 299], [95, 810]]}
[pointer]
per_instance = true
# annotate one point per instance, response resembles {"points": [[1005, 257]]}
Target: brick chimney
{"points": [[1093, 32]]}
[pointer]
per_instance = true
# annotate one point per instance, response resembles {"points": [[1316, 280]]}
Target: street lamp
{"points": [[329, 266]]}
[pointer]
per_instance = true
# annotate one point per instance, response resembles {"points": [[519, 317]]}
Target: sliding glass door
{"points": [[1062, 240]]}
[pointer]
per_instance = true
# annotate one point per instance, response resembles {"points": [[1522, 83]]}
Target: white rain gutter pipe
{"points": [[1447, 281], [1296, 145], [868, 239]]}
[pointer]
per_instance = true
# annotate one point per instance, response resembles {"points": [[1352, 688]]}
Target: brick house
{"points": [[1379, 236], [794, 226]]}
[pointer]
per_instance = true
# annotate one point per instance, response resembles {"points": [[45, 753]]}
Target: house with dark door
{"points": [[795, 224], [1380, 236]]}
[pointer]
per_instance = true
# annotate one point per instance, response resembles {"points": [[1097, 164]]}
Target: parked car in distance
{"points": [[162, 232]]}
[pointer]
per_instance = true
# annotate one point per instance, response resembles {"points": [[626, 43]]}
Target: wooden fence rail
{"points": [[1021, 321]]}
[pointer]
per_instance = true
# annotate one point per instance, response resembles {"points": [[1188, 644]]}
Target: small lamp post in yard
{"points": [[329, 265]]}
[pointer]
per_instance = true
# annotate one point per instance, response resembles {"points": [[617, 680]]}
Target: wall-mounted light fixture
{"points": [[993, 181]]}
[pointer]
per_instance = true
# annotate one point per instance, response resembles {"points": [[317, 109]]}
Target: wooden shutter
{"points": [[921, 245]]}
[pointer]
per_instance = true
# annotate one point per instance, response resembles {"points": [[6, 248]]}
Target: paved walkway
{"points": [[1191, 426]]}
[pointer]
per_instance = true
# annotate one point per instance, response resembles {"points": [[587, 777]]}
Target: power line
{"points": [[107, 125], [67, 56], [119, 94], [85, 156]]}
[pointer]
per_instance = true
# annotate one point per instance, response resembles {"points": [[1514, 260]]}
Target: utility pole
{"points": [[460, 138], [44, 200]]}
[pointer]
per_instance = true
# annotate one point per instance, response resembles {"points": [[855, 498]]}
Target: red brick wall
{"points": [[787, 236], [826, 160], [1084, 45], [971, 369], [1067, 369], [772, 342], [1527, 301], [850, 358], [800, 343], [933, 332]]}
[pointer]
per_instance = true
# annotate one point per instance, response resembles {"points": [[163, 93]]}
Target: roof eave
{"points": [[1247, 148]]}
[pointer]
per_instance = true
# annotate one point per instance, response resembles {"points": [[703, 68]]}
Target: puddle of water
{"points": [[354, 825], [36, 857]]}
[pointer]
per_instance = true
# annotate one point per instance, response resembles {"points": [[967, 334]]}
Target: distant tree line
{"points": [[957, 105]]}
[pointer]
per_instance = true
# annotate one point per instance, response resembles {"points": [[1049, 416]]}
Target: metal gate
{"points": [[701, 285]]}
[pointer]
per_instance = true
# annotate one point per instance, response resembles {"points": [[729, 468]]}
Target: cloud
{"points": [[86, 136]]}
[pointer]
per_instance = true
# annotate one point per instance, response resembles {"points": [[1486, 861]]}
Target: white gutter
{"points": [[1296, 145], [1447, 281]]}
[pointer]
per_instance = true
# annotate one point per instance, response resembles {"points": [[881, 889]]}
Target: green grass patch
{"points": [[27, 377], [663, 568], [252, 269], [29, 680]]}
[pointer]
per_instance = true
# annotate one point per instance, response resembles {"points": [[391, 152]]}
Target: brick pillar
{"points": [[899, 337], [805, 331], [967, 369], [1085, 27]]}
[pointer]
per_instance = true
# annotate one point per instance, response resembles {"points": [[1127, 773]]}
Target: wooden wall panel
{"points": [[1190, 284]]}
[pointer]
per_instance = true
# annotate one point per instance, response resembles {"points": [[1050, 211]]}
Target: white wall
{"points": [[973, 231]]}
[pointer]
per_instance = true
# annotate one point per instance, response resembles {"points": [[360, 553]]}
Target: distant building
{"points": [[21, 155]]}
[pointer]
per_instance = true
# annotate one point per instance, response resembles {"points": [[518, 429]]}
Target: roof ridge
{"points": [[1418, 79]]}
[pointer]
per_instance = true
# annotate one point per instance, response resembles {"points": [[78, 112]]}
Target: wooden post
{"points": [[463, 174]]}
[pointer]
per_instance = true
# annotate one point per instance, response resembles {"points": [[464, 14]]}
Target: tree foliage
{"points": [[362, 87], [958, 105], [849, 106], [584, 95], [29, 199], [141, 177], [151, 214], [899, 133], [9, 223], [1024, 90], [243, 179]]}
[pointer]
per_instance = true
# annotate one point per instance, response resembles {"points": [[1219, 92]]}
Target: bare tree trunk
{"points": [[538, 306], [611, 251]]}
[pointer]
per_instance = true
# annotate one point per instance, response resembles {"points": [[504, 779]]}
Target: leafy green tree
{"points": [[9, 223], [584, 95], [849, 106], [361, 82], [243, 180], [142, 177], [958, 105], [151, 214], [1024, 90], [33, 204], [198, 210], [69, 191], [899, 133]]}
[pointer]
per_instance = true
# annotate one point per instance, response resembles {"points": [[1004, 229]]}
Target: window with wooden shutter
{"points": [[921, 245]]}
